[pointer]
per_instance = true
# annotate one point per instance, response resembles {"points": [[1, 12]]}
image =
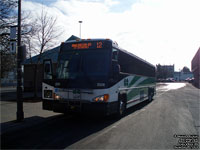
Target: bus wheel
{"points": [[151, 94], [150, 97], [121, 106]]}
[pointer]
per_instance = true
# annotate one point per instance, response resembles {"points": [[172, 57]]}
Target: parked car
{"points": [[170, 80], [190, 80]]}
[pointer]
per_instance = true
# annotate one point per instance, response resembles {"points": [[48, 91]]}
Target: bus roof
{"points": [[87, 40], [114, 44], [129, 53]]}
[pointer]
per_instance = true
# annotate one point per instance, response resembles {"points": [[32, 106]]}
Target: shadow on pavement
{"points": [[57, 132], [27, 96]]}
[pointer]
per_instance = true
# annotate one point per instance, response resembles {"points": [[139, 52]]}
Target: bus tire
{"points": [[122, 98], [150, 97], [150, 94]]}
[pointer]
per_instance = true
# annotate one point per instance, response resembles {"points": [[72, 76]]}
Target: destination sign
{"points": [[81, 45], [87, 45]]}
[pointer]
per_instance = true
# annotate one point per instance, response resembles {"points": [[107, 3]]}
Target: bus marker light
{"points": [[106, 97], [54, 95]]}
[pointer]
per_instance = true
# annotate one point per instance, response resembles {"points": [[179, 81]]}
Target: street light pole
{"points": [[20, 113], [80, 27]]}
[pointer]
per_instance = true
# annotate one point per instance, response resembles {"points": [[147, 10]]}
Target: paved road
{"points": [[174, 111]]}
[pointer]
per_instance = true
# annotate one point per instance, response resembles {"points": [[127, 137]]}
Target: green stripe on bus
{"points": [[135, 92], [134, 80], [132, 93], [147, 81]]}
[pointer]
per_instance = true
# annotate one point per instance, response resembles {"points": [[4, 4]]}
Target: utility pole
{"points": [[20, 113], [80, 27]]}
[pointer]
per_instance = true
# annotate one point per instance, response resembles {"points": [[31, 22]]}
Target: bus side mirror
{"points": [[48, 71], [47, 68], [115, 68]]}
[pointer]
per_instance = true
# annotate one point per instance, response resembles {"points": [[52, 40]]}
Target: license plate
{"points": [[77, 96]]}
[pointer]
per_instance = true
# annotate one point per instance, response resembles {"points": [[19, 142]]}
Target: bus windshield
{"points": [[83, 63]]}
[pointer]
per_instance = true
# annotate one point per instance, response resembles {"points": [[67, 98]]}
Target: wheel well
{"points": [[151, 91], [122, 96]]}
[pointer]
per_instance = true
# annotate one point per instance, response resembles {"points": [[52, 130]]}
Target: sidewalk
{"points": [[33, 112], [33, 115], [8, 89], [10, 94]]}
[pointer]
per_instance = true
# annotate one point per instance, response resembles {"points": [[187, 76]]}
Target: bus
{"points": [[96, 76]]}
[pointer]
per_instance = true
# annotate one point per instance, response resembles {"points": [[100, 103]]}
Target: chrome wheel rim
{"points": [[121, 107]]}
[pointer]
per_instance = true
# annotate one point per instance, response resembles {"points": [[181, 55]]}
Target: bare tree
{"points": [[45, 38], [29, 30], [47, 32], [7, 18], [7, 13], [39, 34]]}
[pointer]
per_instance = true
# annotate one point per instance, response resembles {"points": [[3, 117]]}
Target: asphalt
{"points": [[151, 125]]}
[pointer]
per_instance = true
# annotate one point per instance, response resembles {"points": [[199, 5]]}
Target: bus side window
{"points": [[114, 54]]}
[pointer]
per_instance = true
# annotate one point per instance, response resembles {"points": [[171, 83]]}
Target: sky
{"points": [[162, 32]]}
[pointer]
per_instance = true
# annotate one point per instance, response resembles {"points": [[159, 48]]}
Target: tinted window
{"points": [[95, 63], [133, 65], [82, 63]]}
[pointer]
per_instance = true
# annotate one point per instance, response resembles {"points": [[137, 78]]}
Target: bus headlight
{"points": [[56, 97], [102, 98]]}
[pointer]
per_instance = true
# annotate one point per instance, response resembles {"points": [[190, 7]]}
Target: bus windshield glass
{"points": [[75, 64]]}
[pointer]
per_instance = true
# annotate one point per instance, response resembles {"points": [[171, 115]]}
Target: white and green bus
{"points": [[96, 76]]}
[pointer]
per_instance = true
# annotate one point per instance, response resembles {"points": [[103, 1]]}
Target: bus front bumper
{"points": [[106, 108]]}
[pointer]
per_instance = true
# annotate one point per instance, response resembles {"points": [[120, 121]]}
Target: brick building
{"points": [[165, 71]]}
